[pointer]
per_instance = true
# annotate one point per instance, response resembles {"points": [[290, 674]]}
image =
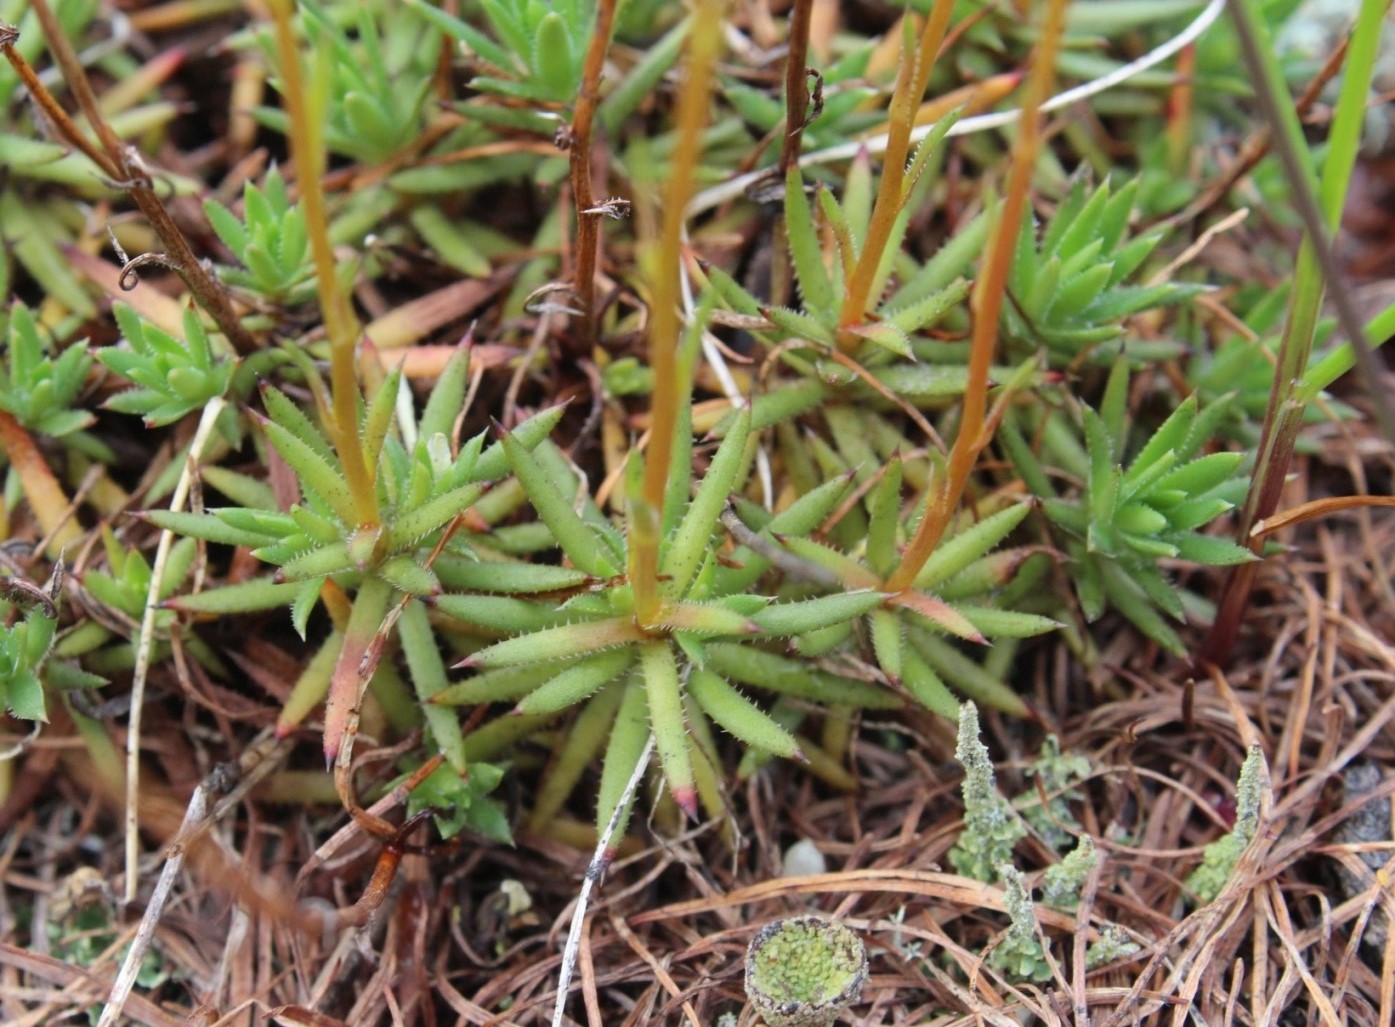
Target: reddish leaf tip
{"points": [[686, 798]]}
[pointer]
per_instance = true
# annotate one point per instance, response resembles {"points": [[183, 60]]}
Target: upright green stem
{"points": [[1287, 400], [588, 233], [307, 147], [911, 80], [986, 306], [704, 43]]}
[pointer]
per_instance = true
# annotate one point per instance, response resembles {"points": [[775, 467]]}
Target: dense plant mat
{"points": [[480, 468]]}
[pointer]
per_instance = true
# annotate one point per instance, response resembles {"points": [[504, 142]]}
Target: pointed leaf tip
{"points": [[686, 799]]}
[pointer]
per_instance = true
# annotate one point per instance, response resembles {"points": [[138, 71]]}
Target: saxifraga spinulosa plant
{"points": [[1135, 510], [323, 550], [660, 637]]}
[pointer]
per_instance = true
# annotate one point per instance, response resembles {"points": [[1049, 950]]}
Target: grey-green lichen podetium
{"points": [[804, 972]]}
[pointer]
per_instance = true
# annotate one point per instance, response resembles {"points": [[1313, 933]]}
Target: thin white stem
{"points": [[146, 643], [732, 188], [594, 872], [227, 786]]}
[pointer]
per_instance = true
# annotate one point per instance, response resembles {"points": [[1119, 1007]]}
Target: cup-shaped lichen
{"points": [[804, 972]]}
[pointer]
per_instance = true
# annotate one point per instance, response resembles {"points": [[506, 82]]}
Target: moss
{"points": [[804, 972]]}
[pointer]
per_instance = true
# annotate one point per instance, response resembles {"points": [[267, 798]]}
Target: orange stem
{"points": [[307, 147], [986, 305], [704, 44], [911, 80]]}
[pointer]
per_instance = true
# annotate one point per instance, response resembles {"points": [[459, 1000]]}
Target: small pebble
{"points": [[802, 859]]}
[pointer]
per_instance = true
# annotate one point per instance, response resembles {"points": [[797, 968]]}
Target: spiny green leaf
{"points": [[315, 473], [289, 416], [965, 675], [923, 313], [1171, 435], [805, 250], [706, 619], [428, 673], [244, 597], [405, 574], [776, 673], [666, 717], [885, 521], [686, 548], [813, 614], [500, 613], [996, 623], [558, 643], [493, 463], [377, 418], [577, 682], [411, 527], [509, 577], [206, 526], [887, 642], [739, 716], [317, 562], [576, 538], [628, 737], [927, 688], [1211, 551], [499, 685], [798, 326]]}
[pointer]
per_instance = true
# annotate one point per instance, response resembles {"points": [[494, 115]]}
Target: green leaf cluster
{"points": [[533, 52], [462, 802], [172, 378], [1073, 289], [420, 489], [963, 594], [672, 675], [37, 388], [378, 65], [824, 321], [269, 240], [24, 647], [1131, 516]]}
